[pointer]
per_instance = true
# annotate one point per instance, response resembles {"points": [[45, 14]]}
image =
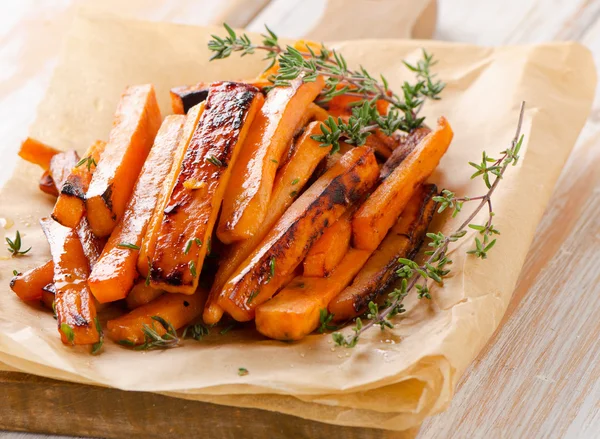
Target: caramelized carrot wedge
{"points": [[379, 213], [92, 245], [28, 286], [290, 180], [177, 309], [46, 184], [405, 146], [295, 311], [115, 272], [136, 122], [70, 205], [37, 153], [149, 241], [74, 304], [261, 275], [190, 214], [403, 241], [141, 294], [48, 294], [327, 252], [247, 197]]}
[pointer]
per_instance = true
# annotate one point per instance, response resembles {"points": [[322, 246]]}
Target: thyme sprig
{"points": [[14, 246], [88, 161], [414, 276], [342, 80], [154, 340]]}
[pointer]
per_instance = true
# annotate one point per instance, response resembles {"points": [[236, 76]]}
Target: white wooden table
{"points": [[539, 377]]}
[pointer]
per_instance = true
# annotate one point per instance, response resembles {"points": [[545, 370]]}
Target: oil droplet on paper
{"points": [[6, 223]]}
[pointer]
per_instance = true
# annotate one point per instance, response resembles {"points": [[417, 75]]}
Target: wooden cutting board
{"points": [[35, 404]]}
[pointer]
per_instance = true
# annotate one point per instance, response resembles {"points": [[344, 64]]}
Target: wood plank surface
{"points": [[539, 377]]}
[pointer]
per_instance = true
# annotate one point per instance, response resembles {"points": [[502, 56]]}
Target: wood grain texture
{"points": [[539, 376]]}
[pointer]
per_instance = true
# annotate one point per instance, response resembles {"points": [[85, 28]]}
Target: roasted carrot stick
{"points": [[290, 180], [294, 312], [61, 165], [136, 122], [403, 241], [190, 214], [247, 197], [37, 153], [375, 217], [29, 285], [74, 304], [115, 272], [327, 252], [405, 146], [177, 309], [141, 294], [149, 241], [261, 275], [184, 97], [70, 205]]}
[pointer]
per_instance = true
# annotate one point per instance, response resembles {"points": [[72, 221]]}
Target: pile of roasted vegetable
{"points": [[229, 207]]}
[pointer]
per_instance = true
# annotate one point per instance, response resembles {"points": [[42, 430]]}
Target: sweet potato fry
{"points": [[141, 294], [406, 144], [403, 241], [136, 122], [247, 197], [327, 252], [46, 184], [342, 105], [261, 275], [294, 312], [292, 177], [48, 295], [28, 286], [187, 96], [37, 153], [149, 241], [193, 206], [377, 215], [75, 309], [115, 272], [70, 205], [177, 309]]}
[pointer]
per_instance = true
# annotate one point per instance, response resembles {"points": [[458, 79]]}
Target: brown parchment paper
{"points": [[391, 379]]}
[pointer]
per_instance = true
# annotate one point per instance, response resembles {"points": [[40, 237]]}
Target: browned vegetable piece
{"points": [[136, 122], [61, 165], [380, 212], [295, 311], [75, 309], [28, 286], [184, 97], [176, 309], [149, 241], [37, 153], [48, 293], [70, 205], [403, 241], [115, 272], [91, 244], [141, 294], [46, 184], [327, 252], [290, 180], [261, 275], [247, 197], [406, 144], [194, 202]]}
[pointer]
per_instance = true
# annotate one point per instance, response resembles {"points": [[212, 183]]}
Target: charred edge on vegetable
{"points": [[50, 288], [407, 144], [416, 237], [336, 193], [107, 197], [73, 188]]}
